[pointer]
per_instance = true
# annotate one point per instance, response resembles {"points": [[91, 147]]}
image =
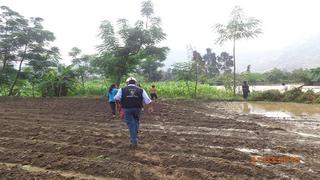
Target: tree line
{"points": [[28, 59]]}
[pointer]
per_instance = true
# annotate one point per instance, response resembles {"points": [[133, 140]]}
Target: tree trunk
{"points": [[3, 73], [82, 81], [147, 22], [188, 88], [60, 88], [149, 76], [18, 73], [33, 89], [124, 70], [234, 66], [59, 93], [4, 62], [195, 87], [5, 54], [15, 80], [118, 79]]}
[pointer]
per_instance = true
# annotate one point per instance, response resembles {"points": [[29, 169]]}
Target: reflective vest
{"points": [[132, 97]]}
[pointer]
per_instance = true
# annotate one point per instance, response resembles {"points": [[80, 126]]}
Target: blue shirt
{"points": [[145, 96], [112, 94]]}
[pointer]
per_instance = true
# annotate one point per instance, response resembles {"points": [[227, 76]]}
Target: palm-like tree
{"points": [[239, 27]]}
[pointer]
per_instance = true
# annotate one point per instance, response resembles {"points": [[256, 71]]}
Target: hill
{"points": [[304, 54]]}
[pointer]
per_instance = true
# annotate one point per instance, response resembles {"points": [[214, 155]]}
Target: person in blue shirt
{"points": [[111, 93], [132, 99]]}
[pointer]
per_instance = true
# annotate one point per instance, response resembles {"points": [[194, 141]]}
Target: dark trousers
{"points": [[245, 95], [153, 96], [132, 117], [113, 107]]}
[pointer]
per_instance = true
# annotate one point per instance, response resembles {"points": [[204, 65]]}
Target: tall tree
{"points": [[225, 62], [81, 64], [147, 11], [38, 67], [118, 59], [23, 42], [151, 55], [121, 52], [74, 53], [34, 42], [238, 27], [12, 24], [212, 65], [152, 58]]}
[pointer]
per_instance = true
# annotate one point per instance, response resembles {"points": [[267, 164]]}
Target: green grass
{"points": [[166, 90], [179, 90], [92, 88]]}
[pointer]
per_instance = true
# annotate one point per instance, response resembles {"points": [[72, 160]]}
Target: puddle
{"points": [[306, 134], [279, 110], [249, 151], [264, 152]]}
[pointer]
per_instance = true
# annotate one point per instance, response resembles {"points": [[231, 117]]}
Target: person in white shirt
{"points": [[131, 98], [285, 87]]}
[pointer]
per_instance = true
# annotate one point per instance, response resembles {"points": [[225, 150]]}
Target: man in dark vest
{"points": [[131, 99]]}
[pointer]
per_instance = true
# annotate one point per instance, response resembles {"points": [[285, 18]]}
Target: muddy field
{"points": [[76, 138]]}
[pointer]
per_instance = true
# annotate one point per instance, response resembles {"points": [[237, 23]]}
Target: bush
{"points": [[293, 95], [318, 99], [309, 97], [269, 95]]}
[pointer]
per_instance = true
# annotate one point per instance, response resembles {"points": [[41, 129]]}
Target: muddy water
{"points": [[282, 110]]}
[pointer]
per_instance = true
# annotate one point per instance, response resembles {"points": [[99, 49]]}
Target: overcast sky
{"points": [[186, 22]]}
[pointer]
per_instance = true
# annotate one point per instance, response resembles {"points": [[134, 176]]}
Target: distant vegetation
{"points": [[30, 65], [294, 95]]}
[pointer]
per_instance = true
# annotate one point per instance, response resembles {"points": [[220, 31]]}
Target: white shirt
{"points": [[285, 88], [145, 96]]}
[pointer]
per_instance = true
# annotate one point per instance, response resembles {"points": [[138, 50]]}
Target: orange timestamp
{"points": [[275, 159]]}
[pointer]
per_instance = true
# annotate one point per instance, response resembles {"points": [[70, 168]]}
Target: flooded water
{"points": [[277, 87], [279, 109]]}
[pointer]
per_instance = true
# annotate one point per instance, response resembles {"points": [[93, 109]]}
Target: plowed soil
{"points": [[76, 138]]}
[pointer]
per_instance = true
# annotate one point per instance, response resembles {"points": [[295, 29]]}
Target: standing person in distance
{"points": [[285, 87], [131, 99], [111, 94], [153, 92], [245, 90]]}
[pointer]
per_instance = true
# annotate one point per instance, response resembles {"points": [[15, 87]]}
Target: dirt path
{"points": [[76, 138]]}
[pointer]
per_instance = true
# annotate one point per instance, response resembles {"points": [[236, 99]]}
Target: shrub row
{"points": [[294, 95]]}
